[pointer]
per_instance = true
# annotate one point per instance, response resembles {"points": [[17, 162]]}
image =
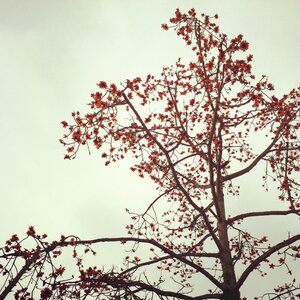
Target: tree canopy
{"points": [[192, 131]]}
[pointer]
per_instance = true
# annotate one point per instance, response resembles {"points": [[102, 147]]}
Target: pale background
{"points": [[52, 54]]}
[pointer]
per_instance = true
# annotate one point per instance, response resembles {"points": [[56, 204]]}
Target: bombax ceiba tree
{"points": [[191, 132]]}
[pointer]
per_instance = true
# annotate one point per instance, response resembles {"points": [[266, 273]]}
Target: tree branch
{"points": [[256, 160], [119, 283], [262, 214], [264, 256], [17, 278], [183, 190]]}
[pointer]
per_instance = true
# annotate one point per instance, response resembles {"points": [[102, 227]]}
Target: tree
{"points": [[191, 132]]}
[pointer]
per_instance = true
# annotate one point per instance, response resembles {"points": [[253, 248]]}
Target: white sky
{"points": [[52, 55]]}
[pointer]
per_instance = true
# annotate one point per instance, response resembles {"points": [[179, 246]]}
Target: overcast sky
{"points": [[52, 55]]}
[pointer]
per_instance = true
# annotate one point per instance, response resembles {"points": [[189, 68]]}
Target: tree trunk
{"points": [[229, 277], [231, 295]]}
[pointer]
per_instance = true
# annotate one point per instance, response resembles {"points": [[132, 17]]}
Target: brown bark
{"points": [[229, 277], [231, 295]]}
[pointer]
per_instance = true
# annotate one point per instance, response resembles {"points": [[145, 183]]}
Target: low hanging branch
{"points": [[188, 130]]}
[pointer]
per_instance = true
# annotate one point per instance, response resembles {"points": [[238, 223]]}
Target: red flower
{"points": [[31, 231], [244, 45], [59, 271], [70, 149], [76, 135], [14, 238], [164, 26], [46, 293], [178, 15], [102, 85], [210, 65], [113, 88], [192, 12], [64, 124], [281, 260], [249, 58]]}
